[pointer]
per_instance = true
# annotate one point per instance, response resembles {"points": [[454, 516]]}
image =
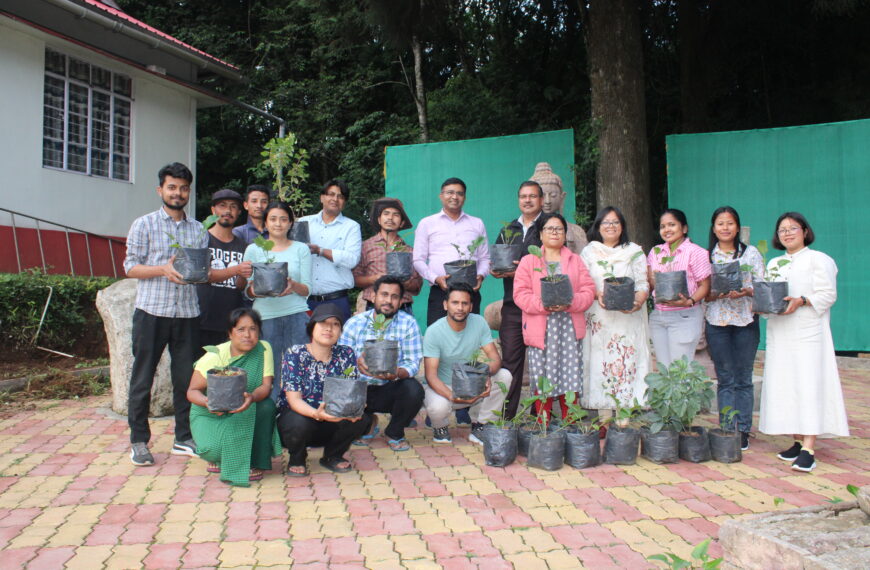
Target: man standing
{"points": [[454, 338], [387, 219], [256, 200], [400, 394], [228, 274], [510, 333], [335, 242], [166, 311], [434, 241]]}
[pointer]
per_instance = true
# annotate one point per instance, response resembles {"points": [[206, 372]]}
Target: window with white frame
{"points": [[86, 118]]}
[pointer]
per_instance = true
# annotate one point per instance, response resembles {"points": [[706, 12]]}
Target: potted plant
{"points": [[381, 355], [503, 255], [623, 437], [400, 260], [768, 296], [299, 232], [193, 263], [226, 384], [669, 284], [547, 442], [618, 292], [582, 442], [555, 287], [726, 277], [500, 445], [725, 442], [660, 437], [345, 395], [464, 269], [270, 277], [469, 377], [527, 423], [692, 392]]}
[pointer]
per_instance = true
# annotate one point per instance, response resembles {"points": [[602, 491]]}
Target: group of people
{"points": [[290, 343]]}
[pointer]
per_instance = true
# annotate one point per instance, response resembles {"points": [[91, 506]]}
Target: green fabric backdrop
{"points": [[821, 171], [492, 168]]}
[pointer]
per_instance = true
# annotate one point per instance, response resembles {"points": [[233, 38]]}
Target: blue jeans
{"points": [[282, 333], [732, 349]]}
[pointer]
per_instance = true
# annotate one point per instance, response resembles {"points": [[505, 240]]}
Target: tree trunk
{"points": [[615, 54], [420, 90], [694, 61]]}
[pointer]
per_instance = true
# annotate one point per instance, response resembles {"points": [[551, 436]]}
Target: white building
{"points": [[94, 103]]}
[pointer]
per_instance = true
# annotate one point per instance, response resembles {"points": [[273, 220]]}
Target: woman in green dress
{"points": [[239, 444]]}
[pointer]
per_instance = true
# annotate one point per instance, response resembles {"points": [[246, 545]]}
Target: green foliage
{"points": [[348, 372], [853, 490], [508, 235], [624, 415], [206, 224], [266, 245], [465, 256], [770, 273], [576, 415], [728, 421], [608, 267], [676, 394], [551, 266], [700, 558], [222, 367], [665, 259], [379, 324], [71, 315], [777, 501], [288, 165]]}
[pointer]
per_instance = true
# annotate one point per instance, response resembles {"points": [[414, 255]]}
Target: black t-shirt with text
{"points": [[216, 300]]}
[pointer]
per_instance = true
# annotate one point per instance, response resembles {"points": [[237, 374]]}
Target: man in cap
{"points": [[387, 219], [229, 273]]}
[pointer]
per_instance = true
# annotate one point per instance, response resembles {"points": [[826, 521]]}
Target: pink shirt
{"points": [[433, 239], [691, 258]]}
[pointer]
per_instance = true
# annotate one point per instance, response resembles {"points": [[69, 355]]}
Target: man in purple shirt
{"points": [[434, 243]]}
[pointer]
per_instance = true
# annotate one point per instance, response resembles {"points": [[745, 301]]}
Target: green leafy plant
{"points": [[518, 418], [771, 273], [700, 558], [624, 415], [478, 356], [266, 245], [609, 268], [509, 235], [206, 225], [679, 392], [576, 415], [379, 324], [665, 259], [777, 501], [222, 369], [728, 415], [288, 164], [545, 388], [465, 256], [349, 372], [551, 265], [853, 490]]}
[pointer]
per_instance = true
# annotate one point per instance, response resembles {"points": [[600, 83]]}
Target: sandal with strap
{"points": [[399, 444], [303, 473], [366, 439], [213, 468], [332, 463], [256, 475]]}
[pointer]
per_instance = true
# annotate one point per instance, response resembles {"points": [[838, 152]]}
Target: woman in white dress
{"points": [[616, 342], [801, 394]]}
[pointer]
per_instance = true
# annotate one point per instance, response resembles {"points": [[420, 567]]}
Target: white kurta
{"points": [[801, 393], [616, 346]]}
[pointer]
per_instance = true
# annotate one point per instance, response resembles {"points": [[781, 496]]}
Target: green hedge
{"points": [[71, 315]]}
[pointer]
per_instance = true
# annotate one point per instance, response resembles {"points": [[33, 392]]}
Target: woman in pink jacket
{"points": [[553, 334]]}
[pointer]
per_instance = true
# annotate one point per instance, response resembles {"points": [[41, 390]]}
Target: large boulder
{"points": [[492, 314], [116, 304]]}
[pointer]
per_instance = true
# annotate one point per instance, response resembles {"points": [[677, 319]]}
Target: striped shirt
{"points": [[402, 328], [148, 243], [691, 258]]}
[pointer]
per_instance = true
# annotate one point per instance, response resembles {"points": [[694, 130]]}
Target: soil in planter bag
{"points": [[620, 446], [670, 284], [193, 263], [344, 397], [725, 446], [582, 450], [381, 356], [226, 393], [461, 272], [399, 264], [726, 277], [269, 279], [695, 448], [299, 232], [769, 296], [499, 445], [503, 255], [619, 293], [660, 447], [558, 292], [469, 380], [524, 436], [547, 451]]}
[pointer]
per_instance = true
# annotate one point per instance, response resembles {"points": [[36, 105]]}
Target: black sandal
{"points": [[331, 463]]}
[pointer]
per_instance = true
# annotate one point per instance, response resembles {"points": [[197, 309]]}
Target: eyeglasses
{"points": [[788, 231], [611, 224], [553, 229], [453, 193]]}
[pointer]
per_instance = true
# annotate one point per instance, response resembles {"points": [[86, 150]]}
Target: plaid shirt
{"points": [[148, 243], [373, 261], [402, 328]]}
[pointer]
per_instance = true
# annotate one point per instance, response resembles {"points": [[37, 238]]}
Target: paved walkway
{"points": [[69, 497]]}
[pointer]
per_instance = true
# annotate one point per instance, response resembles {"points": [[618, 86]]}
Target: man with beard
{"points": [[166, 311], [228, 275], [387, 218], [256, 200], [399, 395], [453, 339]]}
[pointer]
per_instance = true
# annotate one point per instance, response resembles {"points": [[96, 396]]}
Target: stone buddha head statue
{"points": [[554, 196]]}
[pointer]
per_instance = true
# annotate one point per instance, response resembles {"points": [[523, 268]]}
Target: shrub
{"points": [[71, 314]]}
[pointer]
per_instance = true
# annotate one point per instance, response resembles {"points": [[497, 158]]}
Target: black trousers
{"points": [[435, 309], [150, 336], [513, 351], [402, 399], [299, 432]]}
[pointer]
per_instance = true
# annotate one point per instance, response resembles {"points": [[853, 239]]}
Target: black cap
{"points": [[226, 194], [324, 311]]}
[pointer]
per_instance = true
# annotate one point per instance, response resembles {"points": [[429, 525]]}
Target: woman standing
{"points": [[554, 334], [302, 419], [801, 393], [676, 326], [284, 316], [616, 344], [239, 444], [731, 328]]}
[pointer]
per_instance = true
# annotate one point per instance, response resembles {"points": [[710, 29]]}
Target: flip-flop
{"points": [[332, 464], [399, 444], [363, 441], [213, 468], [303, 473]]}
